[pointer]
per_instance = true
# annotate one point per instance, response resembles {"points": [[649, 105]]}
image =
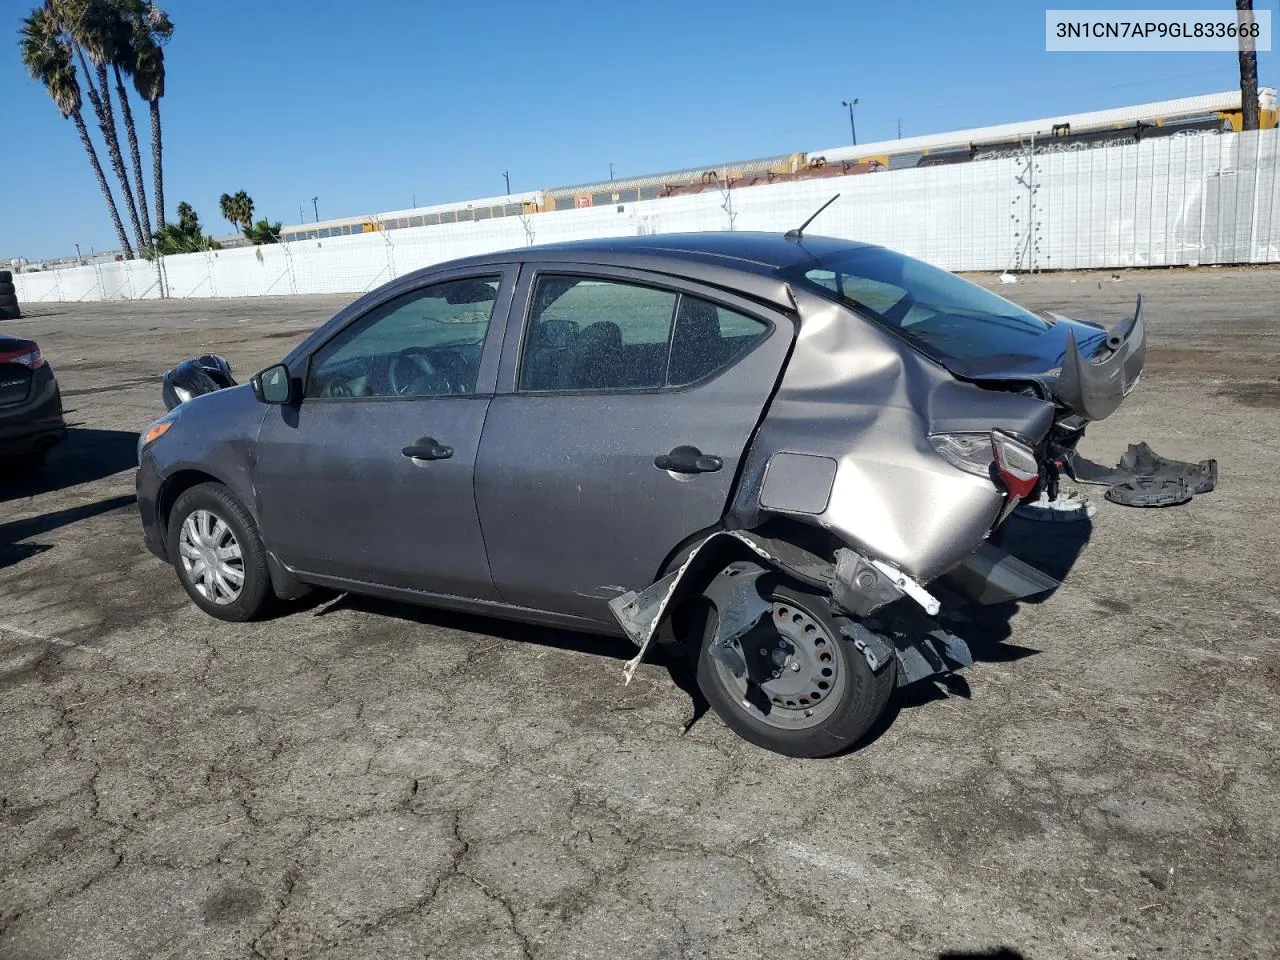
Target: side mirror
{"points": [[273, 385]]}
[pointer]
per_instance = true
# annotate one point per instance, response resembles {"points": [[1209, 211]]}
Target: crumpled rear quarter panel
{"points": [[856, 394]]}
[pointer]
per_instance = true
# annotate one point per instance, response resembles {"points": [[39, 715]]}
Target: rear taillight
{"points": [[971, 452], [28, 357], [1015, 464]]}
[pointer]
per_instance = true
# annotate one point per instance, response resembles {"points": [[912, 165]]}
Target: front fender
{"points": [[213, 435]]}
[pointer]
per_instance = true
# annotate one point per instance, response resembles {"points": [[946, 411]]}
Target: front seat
{"points": [[595, 359]]}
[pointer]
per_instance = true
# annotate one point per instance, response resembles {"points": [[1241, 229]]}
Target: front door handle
{"points": [[426, 448], [686, 459]]}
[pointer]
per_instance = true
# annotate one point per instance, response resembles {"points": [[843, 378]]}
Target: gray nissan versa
{"points": [[761, 449]]}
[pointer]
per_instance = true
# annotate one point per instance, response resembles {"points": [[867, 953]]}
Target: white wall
{"points": [[1175, 200]]}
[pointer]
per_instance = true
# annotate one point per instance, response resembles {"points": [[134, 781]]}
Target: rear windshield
{"points": [[946, 316]]}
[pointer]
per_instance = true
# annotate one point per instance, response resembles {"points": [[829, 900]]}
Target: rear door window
{"points": [[591, 334], [587, 334], [709, 338]]}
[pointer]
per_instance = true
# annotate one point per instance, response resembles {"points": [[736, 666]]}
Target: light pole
{"points": [[610, 171], [317, 208], [507, 177], [1248, 75], [852, 130]]}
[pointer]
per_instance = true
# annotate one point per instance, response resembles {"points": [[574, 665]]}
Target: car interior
{"points": [[426, 345], [562, 354], [431, 346]]}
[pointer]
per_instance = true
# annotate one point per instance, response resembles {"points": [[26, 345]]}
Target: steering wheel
{"points": [[454, 367], [411, 374], [335, 388]]}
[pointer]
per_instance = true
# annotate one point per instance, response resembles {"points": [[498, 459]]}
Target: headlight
{"points": [[971, 452], [157, 430], [182, 393]]}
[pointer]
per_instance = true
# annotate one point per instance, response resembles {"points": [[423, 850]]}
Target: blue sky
{"points": [[369, 106]]}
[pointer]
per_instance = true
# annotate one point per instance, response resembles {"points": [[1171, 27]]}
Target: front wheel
{"points": [[215, 547], [807, 691]]}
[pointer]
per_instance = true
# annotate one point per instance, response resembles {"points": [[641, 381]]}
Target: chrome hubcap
{"points": [[211, 557], [791, 658]]}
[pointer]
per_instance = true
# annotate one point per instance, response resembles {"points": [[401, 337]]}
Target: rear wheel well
{"points": [[690, 609]]}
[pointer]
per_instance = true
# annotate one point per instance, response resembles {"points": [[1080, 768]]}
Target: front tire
{"points": [[808, 692], [218, 554]]}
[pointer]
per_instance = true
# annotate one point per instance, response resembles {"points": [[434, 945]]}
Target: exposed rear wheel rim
{"points": [[211, 558], [794, 666]]}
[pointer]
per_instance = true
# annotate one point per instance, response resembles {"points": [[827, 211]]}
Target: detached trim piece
{"points": [[990, 575], [640, 614], [1143, 478]]}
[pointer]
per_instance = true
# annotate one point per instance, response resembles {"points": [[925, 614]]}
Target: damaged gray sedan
{"points": [[760, 450]]}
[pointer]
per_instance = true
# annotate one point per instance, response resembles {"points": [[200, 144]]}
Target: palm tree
{"points": [[47, 57], [185, 236], [263, 232], [151, 29], [244, 208], [123, 13], [92, 28], [227, 207], [237, 209]]}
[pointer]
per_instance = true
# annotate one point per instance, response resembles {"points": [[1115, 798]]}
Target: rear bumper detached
{"points": [[860, 586]]}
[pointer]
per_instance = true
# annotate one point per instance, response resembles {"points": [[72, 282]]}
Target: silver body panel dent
{"points": [[856, 394]]}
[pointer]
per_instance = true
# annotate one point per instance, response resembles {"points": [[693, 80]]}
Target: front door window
{"points": [[425, 344]]}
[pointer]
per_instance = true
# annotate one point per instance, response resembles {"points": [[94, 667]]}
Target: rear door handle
{"points": [[686, 459], [426, 448]]}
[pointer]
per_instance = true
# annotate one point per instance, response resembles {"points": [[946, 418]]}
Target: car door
{"points": [[616, 370], [369, 477]]}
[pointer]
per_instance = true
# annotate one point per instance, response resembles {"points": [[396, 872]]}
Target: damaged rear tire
{"points": [[807, 691]]}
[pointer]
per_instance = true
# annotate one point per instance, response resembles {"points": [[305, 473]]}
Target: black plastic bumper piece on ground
{"points": [[1140, 460], [1150, 492], [1143, 478]]}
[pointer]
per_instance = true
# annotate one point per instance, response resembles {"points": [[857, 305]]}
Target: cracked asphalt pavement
{"points": [[360, 779]]}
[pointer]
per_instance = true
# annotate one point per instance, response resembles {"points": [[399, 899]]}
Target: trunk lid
{"points": [[1084, 368]]}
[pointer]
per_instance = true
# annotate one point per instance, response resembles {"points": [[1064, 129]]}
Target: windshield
{"points": [[944, 315]]}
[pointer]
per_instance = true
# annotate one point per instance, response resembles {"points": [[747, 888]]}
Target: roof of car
{"points": [[747, 262], [770, 250]]}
